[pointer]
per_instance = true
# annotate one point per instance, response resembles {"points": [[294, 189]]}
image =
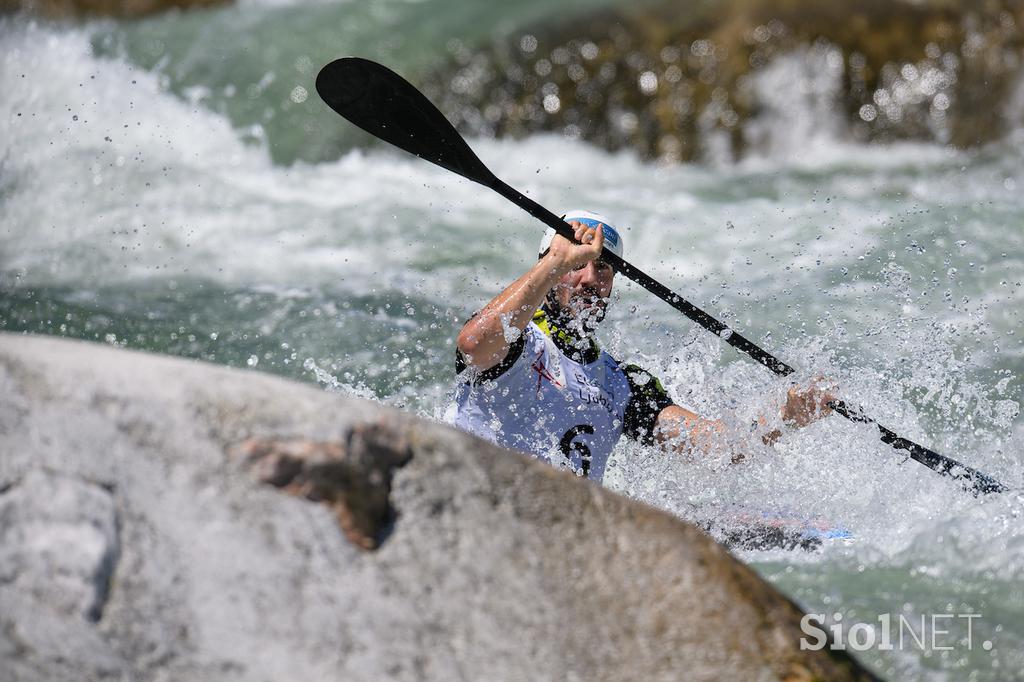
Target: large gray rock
{"points": [[145, 535]]}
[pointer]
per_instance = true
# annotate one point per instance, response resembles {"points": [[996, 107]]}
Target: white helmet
{"points": [[612, 239]]}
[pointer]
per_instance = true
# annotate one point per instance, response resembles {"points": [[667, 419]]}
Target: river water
{"points": [[176, 185]]}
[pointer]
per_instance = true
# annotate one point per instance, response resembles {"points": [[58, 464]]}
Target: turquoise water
{"points": [[167, 186]]}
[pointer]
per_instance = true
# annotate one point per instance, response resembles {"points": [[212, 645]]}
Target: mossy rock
{"points": [[680, 83]]}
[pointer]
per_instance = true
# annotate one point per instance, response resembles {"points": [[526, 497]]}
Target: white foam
{"points": [[797, 93]]}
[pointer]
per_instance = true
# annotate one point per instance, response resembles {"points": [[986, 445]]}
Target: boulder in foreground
{"points": [[145, 533]]}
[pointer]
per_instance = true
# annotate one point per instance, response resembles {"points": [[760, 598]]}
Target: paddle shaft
{"points": [[972, 480]]}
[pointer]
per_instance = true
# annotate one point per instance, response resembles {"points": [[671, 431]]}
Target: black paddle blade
{"points": [[384, 104]]}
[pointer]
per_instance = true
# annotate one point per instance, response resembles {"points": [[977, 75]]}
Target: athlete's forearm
{"points": [[680, 430], [484, 341]]}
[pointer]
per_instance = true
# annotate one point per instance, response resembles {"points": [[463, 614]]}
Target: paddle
{"points": [[387, 106]]}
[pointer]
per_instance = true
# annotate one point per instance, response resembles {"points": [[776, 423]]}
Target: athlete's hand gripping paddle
{"points": [[387, 106]]}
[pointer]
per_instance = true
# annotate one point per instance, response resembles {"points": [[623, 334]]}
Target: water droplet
{"points": [[648, 82]]}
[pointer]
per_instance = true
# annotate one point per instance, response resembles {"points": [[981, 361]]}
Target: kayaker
{"points": [[532, 377]]}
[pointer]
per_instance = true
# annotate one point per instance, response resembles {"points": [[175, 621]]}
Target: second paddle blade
{"points": [[384, 104]]}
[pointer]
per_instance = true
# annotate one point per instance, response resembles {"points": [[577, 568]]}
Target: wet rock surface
{"points": [[147, 536], [59, 545], [352, 478], [59, 534], [715, 81]]}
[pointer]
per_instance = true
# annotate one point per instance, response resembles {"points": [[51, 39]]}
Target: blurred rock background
{"points": [[680, 82]]}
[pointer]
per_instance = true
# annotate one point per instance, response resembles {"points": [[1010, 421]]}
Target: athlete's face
{"points": [[584, 292]]}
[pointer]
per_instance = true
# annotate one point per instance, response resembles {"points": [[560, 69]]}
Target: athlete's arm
{"points": [[681, 430], [483, 341], [802, 407]]}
